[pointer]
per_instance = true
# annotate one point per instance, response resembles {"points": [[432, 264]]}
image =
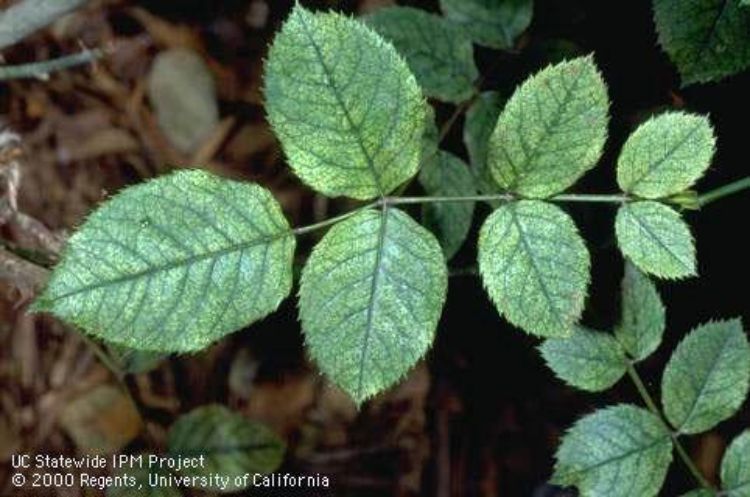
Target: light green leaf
{"points": [[481, 118], [439, 53], [347, 110], [621, 451], [493, 23], [587, 359], [706, 39], [745, 3], [142, 486], [735, 467], [666, 155], [707, 377], [448, 176], [182, 90], [174, 264], [231, 444], [656, 239], [371, 295], [551, 131], [535, 266], [643, 316]]}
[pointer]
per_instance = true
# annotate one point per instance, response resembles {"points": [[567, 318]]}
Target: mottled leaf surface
{"points": [[706, 39], [448, 176], [439, 53], [534, 266], [706, 379], [587, 359], [481, 118], [735, 467], [666, 155], [643, 315], [174, 264], [371, 295], [699, 492], [656, 239], [620, 451], [493, 23], [231, 444], [552, 129], [183, 93], [345, 106]]}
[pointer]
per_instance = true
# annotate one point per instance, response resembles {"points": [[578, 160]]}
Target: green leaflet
{"points": [[174, 264], [371, 295], [587, 359], [21, 19], [231, 444], [706, 39], [439, 53], [656, 239], [643, 316], [535, 266], [493, 23], [183, 93], [620, 451], [551, 131], [481, 118], [735, 467], [343, 103], [666, 155], [448, 176], [707, 377]]}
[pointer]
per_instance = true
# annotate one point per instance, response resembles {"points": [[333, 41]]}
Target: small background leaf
{"points": [[174, 264], [643, 315], [706, 39], [325, 76], [24, 17], [606, 452], [439, 53], [535, 266], [182, 90], [735, 467], [666, 155], [656, 239], [587, 359], [492, 23], [448, 176], [371, 295], [707, 377], [232, 444], [551, 131], [481, 118]]}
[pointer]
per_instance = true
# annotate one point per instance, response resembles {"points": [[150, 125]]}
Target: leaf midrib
{"points": [[371, 303], [186, 261], [340, 101]]}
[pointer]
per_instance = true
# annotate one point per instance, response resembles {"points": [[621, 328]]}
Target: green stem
{"points": [[328, 222], [723, 191], [42, 69], [505, 197], [681, 452]]}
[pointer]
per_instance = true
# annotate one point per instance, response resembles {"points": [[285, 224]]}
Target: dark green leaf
{"points": [[439, 53], [493, 23], [448, 176]]}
